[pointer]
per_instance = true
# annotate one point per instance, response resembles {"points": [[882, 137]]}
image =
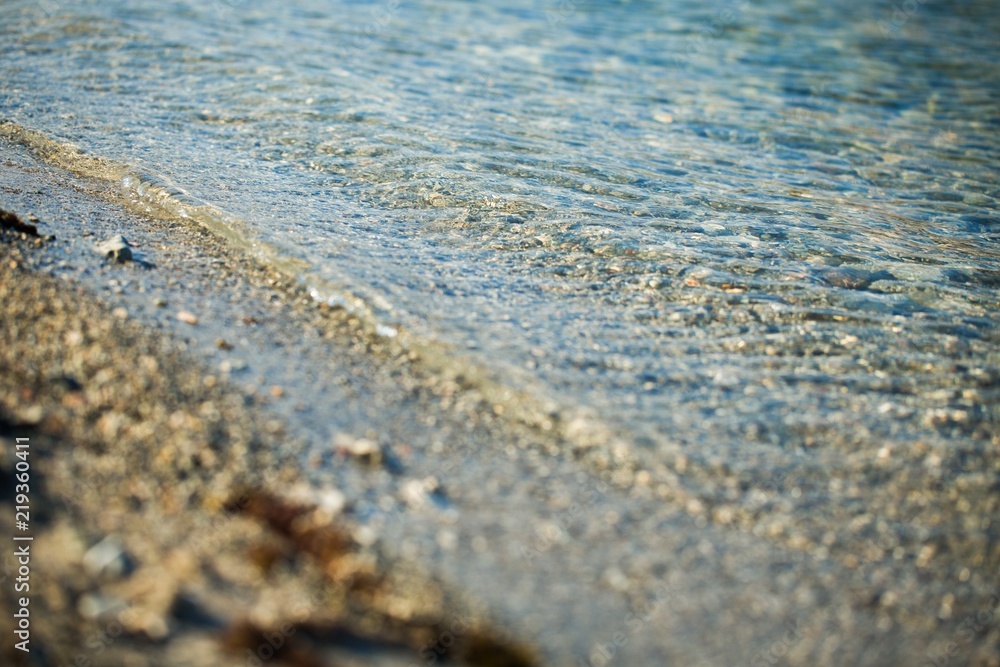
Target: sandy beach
{"points": [[219, 465]]}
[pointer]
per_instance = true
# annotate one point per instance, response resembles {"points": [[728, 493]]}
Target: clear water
{"points": [[741, 227]]}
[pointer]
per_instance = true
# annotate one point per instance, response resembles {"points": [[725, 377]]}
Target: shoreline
{"points": [[154, 521], [436, 482], [95, 390], [149, 196]]}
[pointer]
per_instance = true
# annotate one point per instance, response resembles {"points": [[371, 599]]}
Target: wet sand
{"points": [[217, 458]]}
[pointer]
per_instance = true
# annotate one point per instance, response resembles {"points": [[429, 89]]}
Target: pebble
{"points": [[187, 318], [116, 249], [331, 501], [365, 535], [416, 492], [93, 606], [362, 449], [229, 365], [413, 493], [847, 277], [106, 557], [615, 579]]}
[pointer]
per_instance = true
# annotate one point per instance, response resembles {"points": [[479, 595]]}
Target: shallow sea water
{"points": [[736, 231]]}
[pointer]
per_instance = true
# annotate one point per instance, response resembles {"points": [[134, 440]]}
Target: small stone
{"points": [[106, 557], [413, 493], [362, 449], [31, 415], [116, 249], [277, 391], [365, 535], [93, 606], [235, 364], [727, 378], [187, 318], [416, 492], [615, 579], [330, 501], [160, 303], [223, 344], [848, 277]]}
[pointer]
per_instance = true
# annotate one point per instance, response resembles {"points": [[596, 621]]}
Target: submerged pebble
{"points": [[848, 277]]}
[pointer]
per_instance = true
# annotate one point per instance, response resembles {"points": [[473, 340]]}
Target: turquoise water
{"points": [[741, 228]]}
